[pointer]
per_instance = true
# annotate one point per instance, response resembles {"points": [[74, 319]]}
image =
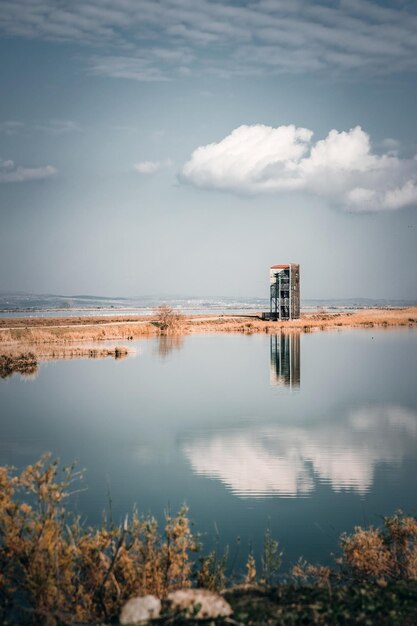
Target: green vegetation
{"points": [[53, 570]]}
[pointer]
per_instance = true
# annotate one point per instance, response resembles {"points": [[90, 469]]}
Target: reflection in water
{"points": [[23, 363], [25, 359], [285, 360], [168, 343], [287, 460]]}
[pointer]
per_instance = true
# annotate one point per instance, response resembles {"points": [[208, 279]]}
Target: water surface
{"points": [[309, 435]]}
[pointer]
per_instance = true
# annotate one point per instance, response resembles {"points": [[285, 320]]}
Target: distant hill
{"points": [[359, 302], [12, 302]]}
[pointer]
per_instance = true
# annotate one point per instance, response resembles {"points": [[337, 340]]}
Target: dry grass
{"points": [[51, 352], [24, 358], [309, 322], [81, 320], [67, 331], [24, 363], [55, 571], [62, 334], [371, 555]]}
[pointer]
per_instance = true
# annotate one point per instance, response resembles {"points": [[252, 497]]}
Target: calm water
{"points": [[308, 435], [209, 310]]}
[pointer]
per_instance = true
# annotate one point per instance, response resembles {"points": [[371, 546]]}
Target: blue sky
{"points": [[181, 147]]}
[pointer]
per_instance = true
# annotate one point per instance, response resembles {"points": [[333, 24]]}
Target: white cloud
{"points": [[11, 173], [289, 460], [260, 36], [341, 167], [151, 167]]}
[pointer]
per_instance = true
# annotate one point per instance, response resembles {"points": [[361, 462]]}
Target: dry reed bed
{"points": [[38, 334], [51, 352], [24, 359], [24, 363], [67, 331], [97, 320], [310, 322]]}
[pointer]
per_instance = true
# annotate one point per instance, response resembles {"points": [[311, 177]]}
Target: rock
{"points": [[199, 603], [140, 610]]}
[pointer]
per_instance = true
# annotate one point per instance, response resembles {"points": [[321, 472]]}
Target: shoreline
{"points": [[145, 572], [68, 330], [46, 339]]}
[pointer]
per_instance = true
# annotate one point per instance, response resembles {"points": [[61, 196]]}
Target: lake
{"points": [[308, 435]]}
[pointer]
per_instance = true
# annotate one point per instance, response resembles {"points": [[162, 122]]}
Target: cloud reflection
{"points": [[289, 460]]}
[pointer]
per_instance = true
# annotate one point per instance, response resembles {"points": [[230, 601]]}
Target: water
{"points": [[209, 310], [309, 435], [38, 305]]}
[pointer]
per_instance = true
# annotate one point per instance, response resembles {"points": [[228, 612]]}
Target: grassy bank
{"points": [[54, 570], [35, 331], [23, 358], [310, 322], [24, 363]]}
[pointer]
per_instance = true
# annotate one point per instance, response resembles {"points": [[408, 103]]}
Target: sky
{"points": [[181, 147]]}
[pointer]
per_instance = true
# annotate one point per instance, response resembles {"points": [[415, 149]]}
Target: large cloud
{"points": [[11, 173], [259, 159]]}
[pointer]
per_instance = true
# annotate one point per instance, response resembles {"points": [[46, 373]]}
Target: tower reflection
{"points": [[285, 360]]}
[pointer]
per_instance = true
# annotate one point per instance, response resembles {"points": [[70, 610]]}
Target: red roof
{"points": [[279, 267]]}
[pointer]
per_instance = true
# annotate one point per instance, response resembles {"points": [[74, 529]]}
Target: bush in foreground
{"points": [[51, 566], [53, 570]]}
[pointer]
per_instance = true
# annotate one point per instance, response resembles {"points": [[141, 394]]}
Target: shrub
{"points": [[55, 570], [371, 555], [24, 363], [168, 319], [387, 553], [52, 567]]}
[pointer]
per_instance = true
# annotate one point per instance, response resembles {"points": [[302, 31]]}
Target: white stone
{"points": [[199, 603], [140, 610]]}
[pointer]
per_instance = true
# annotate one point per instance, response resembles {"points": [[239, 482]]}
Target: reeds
{"points": [[24, 358], [308, 322], [55, 570], [371, 555], [50, 565], [168, 321], [71, 334], [24, 363]]}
